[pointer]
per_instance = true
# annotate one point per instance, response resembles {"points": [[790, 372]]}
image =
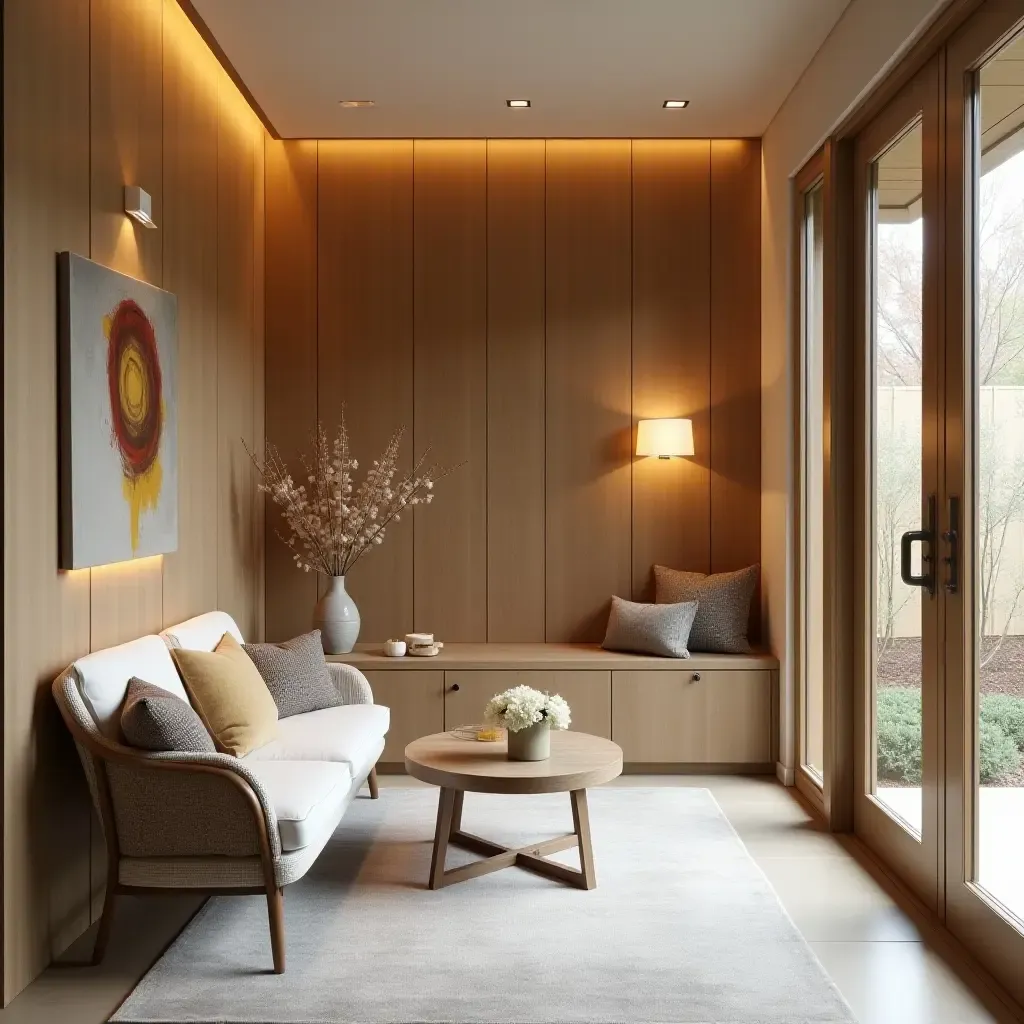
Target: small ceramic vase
{"points": [[530, 744]]}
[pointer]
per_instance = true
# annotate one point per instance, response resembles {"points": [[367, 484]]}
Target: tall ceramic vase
{"points": [[337, 618]]}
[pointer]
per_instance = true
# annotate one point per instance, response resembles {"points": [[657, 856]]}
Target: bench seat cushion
{"points": [[351, 734], [308, 797]]}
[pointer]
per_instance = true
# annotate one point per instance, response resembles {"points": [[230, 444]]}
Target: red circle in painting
{"points": [[135, 382]]}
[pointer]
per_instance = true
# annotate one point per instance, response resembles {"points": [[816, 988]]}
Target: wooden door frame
{"points": [[917, 862], [970, 913], [811, 175], [832, 165]]}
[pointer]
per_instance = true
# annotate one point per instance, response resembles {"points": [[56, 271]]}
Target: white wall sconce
{"points": [[138, 204], [664, 439]]}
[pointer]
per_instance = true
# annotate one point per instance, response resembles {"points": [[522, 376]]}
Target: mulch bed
{"points": [[901, 665]]}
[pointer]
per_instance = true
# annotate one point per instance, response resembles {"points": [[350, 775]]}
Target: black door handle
{"points": [[927, 536], [952, 538]]}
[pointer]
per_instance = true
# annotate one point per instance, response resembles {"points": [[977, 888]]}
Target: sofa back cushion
{"points": [[203, 632], [103, 678]]}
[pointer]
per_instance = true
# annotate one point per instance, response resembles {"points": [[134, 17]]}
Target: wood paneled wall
{"points": [[519, 305], [99, 94]]}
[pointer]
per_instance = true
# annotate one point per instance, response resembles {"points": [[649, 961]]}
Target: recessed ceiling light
{"points": [[356, 103], [517, 104], [675, 104]]}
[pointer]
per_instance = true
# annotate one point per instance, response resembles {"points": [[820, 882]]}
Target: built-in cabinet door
{"points": [[416, 700], [982, 511], [666, 717], [588, 694]]}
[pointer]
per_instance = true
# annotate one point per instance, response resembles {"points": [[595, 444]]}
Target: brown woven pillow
{"points": [[152, 718], [723, 605], [296, 674]]}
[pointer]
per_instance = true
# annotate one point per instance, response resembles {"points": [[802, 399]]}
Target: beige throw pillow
{"points": [[230, 696]]}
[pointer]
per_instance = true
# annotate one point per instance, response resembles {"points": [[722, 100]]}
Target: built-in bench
{"points": [[710, 712]]}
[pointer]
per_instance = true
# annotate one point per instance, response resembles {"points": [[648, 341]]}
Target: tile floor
{"points": [[871, 949]]}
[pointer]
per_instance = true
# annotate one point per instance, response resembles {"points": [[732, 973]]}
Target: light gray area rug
{"points": [[683, 928]]}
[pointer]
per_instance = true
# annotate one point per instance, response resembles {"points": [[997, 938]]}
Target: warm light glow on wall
{"points": [[185, 47], [151, 563]]}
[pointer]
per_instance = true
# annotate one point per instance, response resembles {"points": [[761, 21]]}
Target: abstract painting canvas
{"points": [[119, 430]]}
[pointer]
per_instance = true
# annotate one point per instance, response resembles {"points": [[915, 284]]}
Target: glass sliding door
{"points": [[898, 673], [983, 510], [812, 476]]}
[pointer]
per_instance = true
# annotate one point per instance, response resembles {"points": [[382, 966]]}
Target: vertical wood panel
{"points": [[672, 351], [235, 380], [450, 385], [259, 581], [735, 356], [46, 612], [291, 343], [127, 148], [53, 191], [588, 384], [515, 390], [365, 268], [189, 231]]}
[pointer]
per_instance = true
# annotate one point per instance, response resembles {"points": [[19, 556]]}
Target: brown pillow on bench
{"points": [[723, 605]]}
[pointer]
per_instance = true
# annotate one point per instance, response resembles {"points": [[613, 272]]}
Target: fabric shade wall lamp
{"points": [[664, 439], [138, 204]]}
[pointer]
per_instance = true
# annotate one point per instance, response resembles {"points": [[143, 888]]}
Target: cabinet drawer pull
{"points": [[455, 687], [696, 677]]}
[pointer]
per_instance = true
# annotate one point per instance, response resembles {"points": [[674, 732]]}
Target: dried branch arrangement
{"points": [[332, 522]]}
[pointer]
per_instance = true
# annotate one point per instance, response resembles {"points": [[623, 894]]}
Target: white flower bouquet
{"points": [[523, 706]]}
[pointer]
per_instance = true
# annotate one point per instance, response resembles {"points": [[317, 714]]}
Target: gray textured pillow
{"points": [[152, 718], [296, 674], [650, 628], [723, 612]]}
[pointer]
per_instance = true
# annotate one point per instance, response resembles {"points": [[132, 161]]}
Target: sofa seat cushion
{"points": [[351, 734], [308, 797]]}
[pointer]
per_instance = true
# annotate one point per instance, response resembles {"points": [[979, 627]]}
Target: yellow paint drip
{"points": [[142, 493]]}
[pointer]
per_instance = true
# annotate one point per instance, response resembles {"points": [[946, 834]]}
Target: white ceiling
{"points": [[444, 68]]}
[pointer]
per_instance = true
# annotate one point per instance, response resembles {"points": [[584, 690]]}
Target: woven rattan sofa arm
{"points": [[352, 686], [147, 802]]}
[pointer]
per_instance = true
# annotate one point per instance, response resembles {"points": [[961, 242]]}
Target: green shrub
{"points": [[898, 718], [999, 754], [1006, 712]]}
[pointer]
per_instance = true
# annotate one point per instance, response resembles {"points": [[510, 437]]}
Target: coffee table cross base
{"points": [[531, 858]]}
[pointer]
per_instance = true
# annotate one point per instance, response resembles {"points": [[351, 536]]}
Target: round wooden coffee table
{"points": [[459, 766]]}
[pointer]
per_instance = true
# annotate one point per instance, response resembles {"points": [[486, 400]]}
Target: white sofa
{"points": [[213, 822]]}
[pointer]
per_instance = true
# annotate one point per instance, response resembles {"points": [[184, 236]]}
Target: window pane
{"points": [[897, 339], [813, 481], [998, 392]]}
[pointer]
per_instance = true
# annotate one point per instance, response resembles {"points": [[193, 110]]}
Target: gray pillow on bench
{"points": [[723, 612], [296, 674], [153, 718], [650, 628]]}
